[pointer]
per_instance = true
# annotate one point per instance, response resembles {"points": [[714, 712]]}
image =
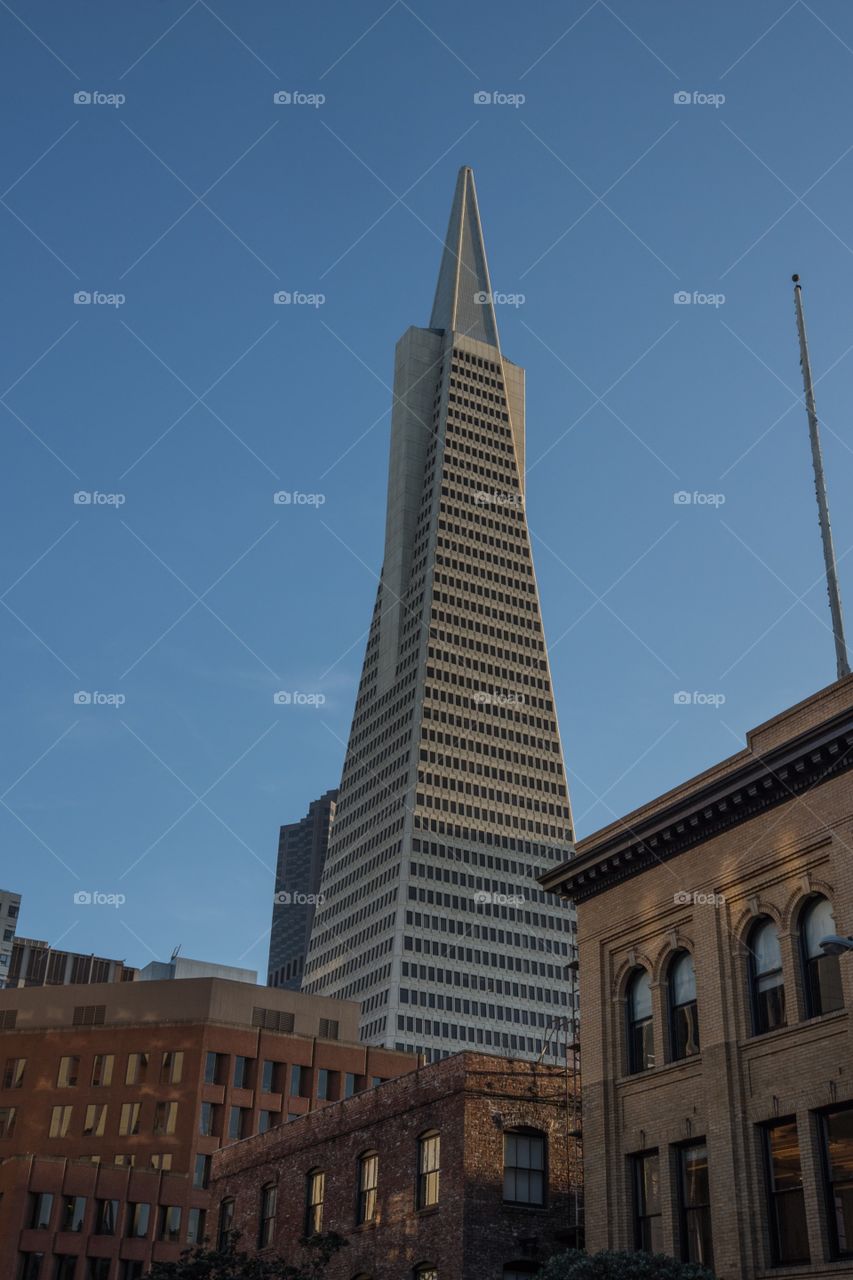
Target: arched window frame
{"points": [[225, 1225], [822, 985], [266, 1215], [315, 1196], [640, 1055], [367, 1201], [767, 996], [683, 1012]]}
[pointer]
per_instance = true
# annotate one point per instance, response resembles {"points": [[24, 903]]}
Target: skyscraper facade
{"points": [[453, 797], [10, 906], [302, 848]]}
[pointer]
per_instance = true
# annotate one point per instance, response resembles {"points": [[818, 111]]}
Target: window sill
{"points": [[836, 1266], [682, 1065], [807, 1024], [428, 1210]]}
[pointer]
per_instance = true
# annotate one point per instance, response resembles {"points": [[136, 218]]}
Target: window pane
{"points": [[696, 1242], [839, 1146], [818, 923], [788, 1231], [767, 955], [683, 980], [641, 996]]}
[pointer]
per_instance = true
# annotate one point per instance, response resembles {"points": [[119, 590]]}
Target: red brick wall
{"points": [[470, 1099]]}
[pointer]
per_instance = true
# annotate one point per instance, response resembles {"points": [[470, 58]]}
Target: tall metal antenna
{"points": [[820, 489]]}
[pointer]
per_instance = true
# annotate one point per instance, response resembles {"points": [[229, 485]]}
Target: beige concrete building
{"points": [[453, 797], [716, 1046]]}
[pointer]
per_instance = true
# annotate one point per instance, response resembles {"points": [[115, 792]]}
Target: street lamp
{"points": [[836, 944]]}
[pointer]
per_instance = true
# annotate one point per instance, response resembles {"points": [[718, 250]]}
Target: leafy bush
{"points": [[231, 1263], [608, 1265]]}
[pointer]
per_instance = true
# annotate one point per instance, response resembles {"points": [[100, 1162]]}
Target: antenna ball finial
{"points": [[796, 279]]}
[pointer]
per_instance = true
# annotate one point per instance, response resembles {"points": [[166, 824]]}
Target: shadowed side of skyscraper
{"points": [[302, 848], [453, 797]]}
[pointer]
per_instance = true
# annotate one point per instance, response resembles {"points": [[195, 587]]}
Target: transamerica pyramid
{"points": [[453, 797]]}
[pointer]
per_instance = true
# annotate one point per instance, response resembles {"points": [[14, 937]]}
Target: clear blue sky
{"points": [[198, 198]]}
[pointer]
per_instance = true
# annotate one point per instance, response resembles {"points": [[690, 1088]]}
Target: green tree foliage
{"points": [[575, 1265], [232, 1263]]}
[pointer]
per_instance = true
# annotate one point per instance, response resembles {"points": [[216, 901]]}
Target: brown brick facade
{"points": [[472, 1102], [771, 831]]}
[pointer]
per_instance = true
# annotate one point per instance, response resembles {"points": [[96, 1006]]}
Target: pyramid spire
{"points": [[463, 296]]}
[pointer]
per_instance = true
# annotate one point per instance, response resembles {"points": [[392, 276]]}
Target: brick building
{"points": [[114, 1097], [458, 1171], [717, 1045]]}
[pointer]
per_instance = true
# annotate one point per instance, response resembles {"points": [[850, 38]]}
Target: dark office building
{"points": [[301, 854]]}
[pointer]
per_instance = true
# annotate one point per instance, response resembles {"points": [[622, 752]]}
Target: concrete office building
{"points": [[453, 797], [10, 906], [36, 963], [302, 848]]}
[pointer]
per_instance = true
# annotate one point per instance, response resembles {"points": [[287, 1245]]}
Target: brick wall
{"points": [[470, 1100]]}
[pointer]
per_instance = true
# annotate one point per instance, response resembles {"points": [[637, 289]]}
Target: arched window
{"points": [[821, 972], [368, 1182], [425, 1271], [520, 1270], [766, 981], [641, 1048], [226, 1224], [524, 1167], [429, 1168], [683, 1011], [315, 1194], [266, 1228]]}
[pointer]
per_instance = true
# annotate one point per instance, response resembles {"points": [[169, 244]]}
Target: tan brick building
{"points": [[717, 1051], [114, 1097], [462, 1170]]}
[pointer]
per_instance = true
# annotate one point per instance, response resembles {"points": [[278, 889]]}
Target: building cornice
{"points": [[759, 783]]}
